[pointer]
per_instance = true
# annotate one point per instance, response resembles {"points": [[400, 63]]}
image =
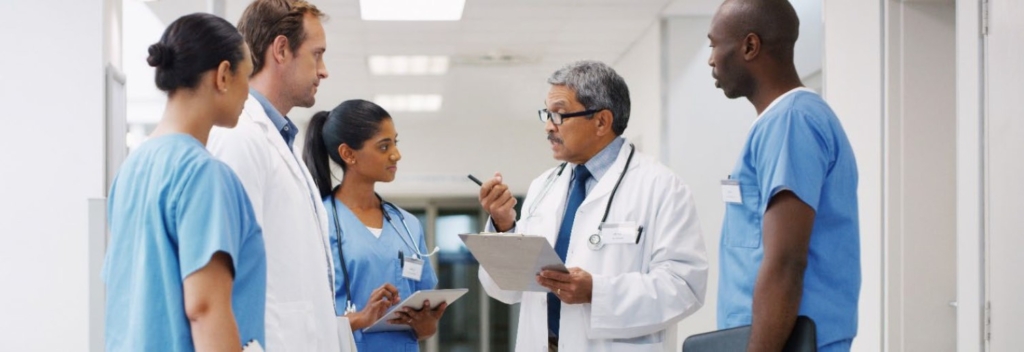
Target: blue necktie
{"points": [[577, 193]]}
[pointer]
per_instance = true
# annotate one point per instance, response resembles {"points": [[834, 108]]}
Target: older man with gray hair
{"points": [[624, 224]]}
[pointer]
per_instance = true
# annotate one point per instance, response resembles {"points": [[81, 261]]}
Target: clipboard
{"points": [[415, 301], [513, 260]]}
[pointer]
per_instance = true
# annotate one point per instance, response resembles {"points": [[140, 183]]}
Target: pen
{"points": [[401, 260], [639, 233], [478, 182]]}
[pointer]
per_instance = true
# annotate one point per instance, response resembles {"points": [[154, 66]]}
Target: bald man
{"points": [[790, 238]]}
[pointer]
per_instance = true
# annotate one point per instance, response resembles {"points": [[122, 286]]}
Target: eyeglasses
{"points": [[556, 118]]}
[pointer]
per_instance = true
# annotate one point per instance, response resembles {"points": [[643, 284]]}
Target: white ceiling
{"points": [[545, 34]]}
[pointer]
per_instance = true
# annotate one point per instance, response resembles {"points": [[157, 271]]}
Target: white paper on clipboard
{"points": [[514, 260], [436, 297]]}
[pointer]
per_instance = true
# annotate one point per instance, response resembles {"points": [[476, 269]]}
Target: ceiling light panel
{"points": [[411, 10], [409, 102], [401, 65]]}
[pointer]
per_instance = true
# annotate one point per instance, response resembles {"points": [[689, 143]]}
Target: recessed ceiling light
{"points": [[409, 102], [411, 10], [399, 65]]}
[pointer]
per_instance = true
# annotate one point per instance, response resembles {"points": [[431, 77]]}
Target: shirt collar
{"points": [[285, 126], [780, 98], [600, 163]]}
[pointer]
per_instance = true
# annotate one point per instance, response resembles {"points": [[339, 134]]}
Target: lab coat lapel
{"points": [[604, 186], [255, 109], [551, 208], [297, 168]]}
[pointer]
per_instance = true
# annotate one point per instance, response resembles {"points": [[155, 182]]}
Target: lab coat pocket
{"points": [[614, 258], [294, 325], [641, 340], [743, 220]]}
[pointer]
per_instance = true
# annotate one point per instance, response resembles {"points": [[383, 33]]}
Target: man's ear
{"points": [[751, 46], [280, 49], [604, 120]]}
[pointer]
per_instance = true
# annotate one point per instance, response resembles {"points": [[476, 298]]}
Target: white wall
{"points": [[641, 67], [854, 89], [52, 89]]}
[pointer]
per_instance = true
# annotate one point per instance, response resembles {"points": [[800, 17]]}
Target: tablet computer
{"points": [[436, 297]]}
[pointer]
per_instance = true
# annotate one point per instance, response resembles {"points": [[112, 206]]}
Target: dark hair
{"points": [[264, 20], [353, 122], [192, 45]]}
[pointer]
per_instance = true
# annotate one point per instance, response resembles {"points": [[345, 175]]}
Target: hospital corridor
{"points": [[512, 175]]}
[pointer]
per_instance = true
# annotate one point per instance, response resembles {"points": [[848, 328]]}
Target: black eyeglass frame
{"points": [[544, 115]]}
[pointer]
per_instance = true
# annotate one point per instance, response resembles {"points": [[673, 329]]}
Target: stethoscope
{"points": [[349, 306], [595, 240]]}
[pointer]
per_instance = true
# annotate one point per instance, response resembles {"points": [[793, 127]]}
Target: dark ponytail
{"points": [[352, 122], [315, 153]]}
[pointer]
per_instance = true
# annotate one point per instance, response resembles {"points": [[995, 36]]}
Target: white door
{"points": [[1005, 159], [921, 171]]}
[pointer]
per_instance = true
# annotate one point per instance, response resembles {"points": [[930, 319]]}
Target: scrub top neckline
{"points": [[179, 135], [346, 212], [780, 98]]}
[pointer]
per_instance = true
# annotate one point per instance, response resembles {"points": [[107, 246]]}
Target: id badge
{"points": [[614, 233], [731, 192], [619, 233], [412, 269]]}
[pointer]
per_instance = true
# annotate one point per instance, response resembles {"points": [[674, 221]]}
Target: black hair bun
{"points": [[160, 56]]}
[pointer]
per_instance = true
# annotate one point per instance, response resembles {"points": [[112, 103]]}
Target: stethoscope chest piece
{"points": [[594, 242]]}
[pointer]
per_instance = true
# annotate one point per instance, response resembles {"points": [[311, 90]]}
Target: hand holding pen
{"points": [[497, 200]]}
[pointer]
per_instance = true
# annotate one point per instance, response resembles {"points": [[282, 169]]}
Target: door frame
{"points": [[970, 174]]}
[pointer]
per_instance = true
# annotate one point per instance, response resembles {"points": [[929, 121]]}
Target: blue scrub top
{"points": [[171, 208], [797, 145], [374, 261]]}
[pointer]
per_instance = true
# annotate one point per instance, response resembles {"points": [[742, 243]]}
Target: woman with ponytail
{"points": [[185, 267], [380, 252]]}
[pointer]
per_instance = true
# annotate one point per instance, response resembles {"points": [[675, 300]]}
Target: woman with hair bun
{"points": [[185, 267]]}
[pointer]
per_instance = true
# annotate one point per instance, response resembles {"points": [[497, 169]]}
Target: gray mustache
{"points": [[552, 138]]}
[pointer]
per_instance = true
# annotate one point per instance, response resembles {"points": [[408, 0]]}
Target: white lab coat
{"points": [[300, 313], [641, 291]]}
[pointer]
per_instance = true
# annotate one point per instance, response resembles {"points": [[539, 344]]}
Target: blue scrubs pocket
{"points": [[743, 228]]}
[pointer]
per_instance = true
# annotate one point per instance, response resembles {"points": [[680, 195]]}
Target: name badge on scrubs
{"points": [[412, 269], [731, 192]]}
